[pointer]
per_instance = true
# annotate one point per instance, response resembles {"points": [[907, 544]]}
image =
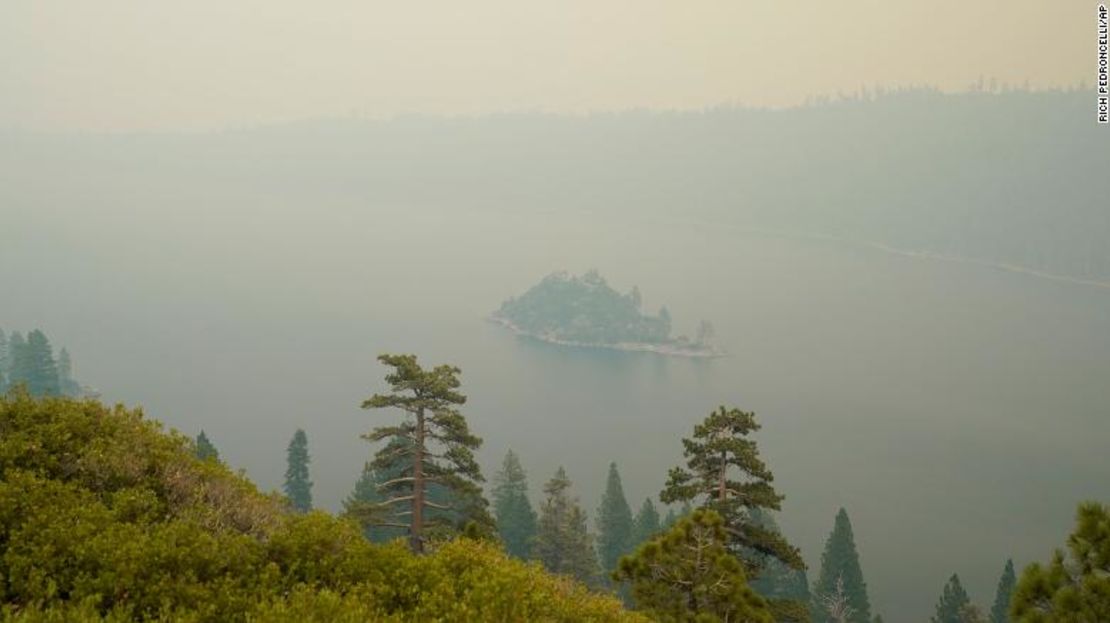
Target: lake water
{"points": [[958, 412]]}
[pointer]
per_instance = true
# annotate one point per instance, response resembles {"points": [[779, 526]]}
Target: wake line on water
{"points": [[925, 255]]}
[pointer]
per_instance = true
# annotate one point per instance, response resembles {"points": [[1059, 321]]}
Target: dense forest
{"points": [[912, 169], [105, 515], [31, 362]]}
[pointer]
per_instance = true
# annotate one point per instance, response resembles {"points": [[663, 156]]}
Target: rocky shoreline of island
{"points": [[672, 349]]}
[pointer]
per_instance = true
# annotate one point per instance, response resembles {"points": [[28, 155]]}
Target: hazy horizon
{"points": [[119, 66]]}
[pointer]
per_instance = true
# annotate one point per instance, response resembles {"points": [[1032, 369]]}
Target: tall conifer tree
{"points": [[66, 382], [563, 543], [440, 449], [724, 473], [785, 588], [3, 362], [953, 604], [840, 561], [646, 524], [1000, 612], [614, 523], [516, 521], [205, 449], [298, 487], [41, 368]]}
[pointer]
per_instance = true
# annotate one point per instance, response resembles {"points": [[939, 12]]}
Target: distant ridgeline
{"points": [[586, 311], [30, 361]]}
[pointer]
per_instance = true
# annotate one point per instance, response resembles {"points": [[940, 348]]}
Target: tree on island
{"points": [[298, 488], [840, 567], [719, 448], [689, 574], [614, 523], [205, 449], [563, 543], [516, 521], [440, 447]]}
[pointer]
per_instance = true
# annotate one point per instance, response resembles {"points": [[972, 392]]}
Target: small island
{"points": [[586, 312]]}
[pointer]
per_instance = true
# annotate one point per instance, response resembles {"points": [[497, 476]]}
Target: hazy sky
{"points": [[131, 64]]}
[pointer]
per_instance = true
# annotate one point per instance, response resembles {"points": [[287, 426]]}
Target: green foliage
{"points": [[688, 574], [785, 588], [204, 449], [719, 449], [953, 606], [840, 561], [1000, 611], [614, 523], [105, 517], [646, 525], [585, 310], [1076, 588], [438, 448], [298, 488], [516, 521], [563, 544], [33, 365], [5, 363]]}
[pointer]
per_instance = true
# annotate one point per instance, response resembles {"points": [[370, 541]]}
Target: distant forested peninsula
{"points": [[586, 311]]}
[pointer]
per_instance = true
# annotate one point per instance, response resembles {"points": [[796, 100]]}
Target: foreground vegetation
{"points": [[105, 516], [102, 514]]}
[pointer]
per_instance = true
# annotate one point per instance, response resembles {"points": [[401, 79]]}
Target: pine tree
{"points": [[429, 399], [1072, 588], [364, 502], [298, 488], [720, 448], [1000, 612], [953, 604], [840, 561], [785, 588], [689, 574], [646, 525], [563, 543], [66, 383], [516, 521], [4, 364], [205, 450], [17, 359], [33, 364], [614, 523], [670, 520]]}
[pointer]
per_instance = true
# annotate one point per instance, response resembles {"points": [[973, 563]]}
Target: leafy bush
{"points": [[103, 516]]}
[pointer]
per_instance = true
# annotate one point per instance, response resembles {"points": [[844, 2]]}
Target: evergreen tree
{"points": [[205, 450], [646, 525], [719, 449], [1000, 612], [785, 588], [33, 364], [614, 523], [4, 365], [441, 449], [16, 360], [670, 520], [953, 604], [563, 543], [364, 502], [840, 561], [689, 574], [298, 488], [1075, 589], [516, 521], [66, 383]]}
